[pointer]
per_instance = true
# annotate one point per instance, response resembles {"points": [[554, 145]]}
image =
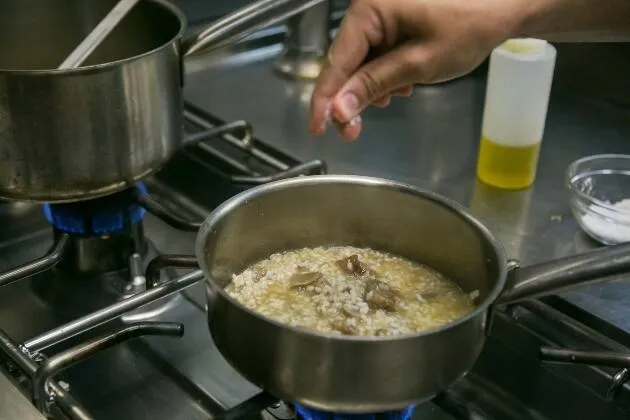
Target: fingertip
{"points": [[320, 117], [316, 127], [404, 91], [350, 131], [314, 131], [382, 102]]}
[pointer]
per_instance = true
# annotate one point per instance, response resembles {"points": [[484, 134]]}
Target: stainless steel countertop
{"points": [[431, 141], [14, 405]]}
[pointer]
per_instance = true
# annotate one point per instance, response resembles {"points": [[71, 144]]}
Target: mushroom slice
{"points": [[426, 296], [304, 278], [343, 327], [352, 265], [380, 295]]}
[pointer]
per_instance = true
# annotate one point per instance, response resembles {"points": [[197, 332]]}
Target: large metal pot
{"points": [[77, 134], [363, 374]]}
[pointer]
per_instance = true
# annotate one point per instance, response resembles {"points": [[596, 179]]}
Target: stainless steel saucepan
{"points": [[364, 374], [75, 134]]}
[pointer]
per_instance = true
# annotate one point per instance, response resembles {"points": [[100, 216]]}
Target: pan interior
{"points": [[333, 211], [38, 35]]}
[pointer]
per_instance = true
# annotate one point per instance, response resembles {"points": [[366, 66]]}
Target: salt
{"points": [[610, 226]]}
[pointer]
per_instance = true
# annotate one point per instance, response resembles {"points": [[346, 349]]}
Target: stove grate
{"points": [[115, 213]]}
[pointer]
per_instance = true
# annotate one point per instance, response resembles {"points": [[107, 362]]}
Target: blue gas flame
{"points": [[102, 218], [305, 413]]}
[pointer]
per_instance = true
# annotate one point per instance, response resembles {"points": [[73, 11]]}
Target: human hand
{"points": [[384, 47]]}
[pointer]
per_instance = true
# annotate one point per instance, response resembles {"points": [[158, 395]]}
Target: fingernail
{"points": [[327, 119], [328, 114], [355, 121], [349, 106]]}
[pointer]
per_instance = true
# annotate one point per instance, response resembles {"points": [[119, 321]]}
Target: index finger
{"points": [[346, 54]]}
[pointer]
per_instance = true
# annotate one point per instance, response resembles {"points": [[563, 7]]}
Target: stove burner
{"points": [[304, 413], [99, 216]]}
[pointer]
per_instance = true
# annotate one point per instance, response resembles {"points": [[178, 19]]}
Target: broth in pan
{"points": [[350, 291]]}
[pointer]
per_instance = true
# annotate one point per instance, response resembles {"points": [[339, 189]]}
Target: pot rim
{"points": [[242, 198], [95, 68]]}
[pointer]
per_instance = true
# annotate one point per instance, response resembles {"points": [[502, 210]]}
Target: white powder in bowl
{"points": [[607, 225]]}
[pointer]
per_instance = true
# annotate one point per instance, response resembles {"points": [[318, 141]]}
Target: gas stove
{"points": [[85, 334]]}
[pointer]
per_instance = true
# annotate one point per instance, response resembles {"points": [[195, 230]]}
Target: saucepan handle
{"points": [[552, 277], [243, 22]]}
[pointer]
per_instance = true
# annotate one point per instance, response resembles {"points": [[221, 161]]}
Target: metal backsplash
{"points": [[598, 70], [199, 11]]}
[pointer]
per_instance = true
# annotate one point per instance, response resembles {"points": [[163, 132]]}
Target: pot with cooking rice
{"points": [[353, 294]]}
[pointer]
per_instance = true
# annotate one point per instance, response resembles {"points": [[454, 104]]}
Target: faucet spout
{"points": [[306, 43]]}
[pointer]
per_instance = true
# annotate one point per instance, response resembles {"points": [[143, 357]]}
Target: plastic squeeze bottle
{"points": [[517, 99]]}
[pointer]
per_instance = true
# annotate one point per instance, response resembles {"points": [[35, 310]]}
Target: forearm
{"points": [[576, 20]]}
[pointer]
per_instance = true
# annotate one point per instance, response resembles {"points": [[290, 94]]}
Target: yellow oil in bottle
{"points": [[507, 167]]}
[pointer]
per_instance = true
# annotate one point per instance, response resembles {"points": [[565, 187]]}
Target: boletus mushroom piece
{"points": [[377, 294]]}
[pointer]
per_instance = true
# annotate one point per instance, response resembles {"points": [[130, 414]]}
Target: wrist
{"points": [[528, 18], [505, 19], [573, 20]]}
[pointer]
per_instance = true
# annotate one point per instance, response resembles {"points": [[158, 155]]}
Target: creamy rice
{"points": [[351, 291]]}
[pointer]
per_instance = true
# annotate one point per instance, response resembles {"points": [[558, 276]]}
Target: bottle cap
{"points": [[526, 48]]}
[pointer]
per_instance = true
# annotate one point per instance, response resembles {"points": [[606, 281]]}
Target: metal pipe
{"points": [[243, 22], [201, 118], [41, 264], [595, 358], [83, 351], [135, 271], [11, 349], [306, 44], [313, 167], [171, 219], [162, 261], [111, 312], [255, 404], [247, 141], [67, 404]]}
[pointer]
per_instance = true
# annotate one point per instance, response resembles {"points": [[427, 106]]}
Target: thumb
{"points": [[389, 72]]}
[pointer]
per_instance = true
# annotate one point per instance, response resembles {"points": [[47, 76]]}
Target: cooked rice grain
{"points": [[337, 301]]}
